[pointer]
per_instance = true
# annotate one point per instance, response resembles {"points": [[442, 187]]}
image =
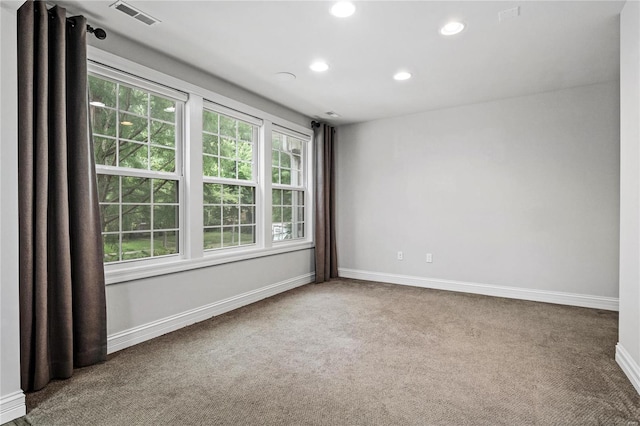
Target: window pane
{"points": [[276, 214], [212, 216], [285, 160], [227, 126], [231, 205], [230, 236], [247, 235], [247, 215], [111, 247], [133, 100], [212, 193], [212, 238], [134, 155], [163, 109], [102, 91], [165, 191], [136, 190], [105, 151], [133, 128], [103, 121], [165, 242], [210, 166], [247, 195], [110, 217], [209, 144], [163, 160], [210, 121], [245, 151], [163, 133], [227, 168], [136, 245], [230, 194], [165, 217], [244, 171], [228, 148], [287, 214], [108, 188], [136, 217], [245, 131]]}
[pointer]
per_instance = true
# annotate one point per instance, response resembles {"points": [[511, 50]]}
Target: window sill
{"points": [[132, 271]]}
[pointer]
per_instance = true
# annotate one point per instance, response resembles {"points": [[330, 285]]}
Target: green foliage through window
{"points": [[135, 129]]}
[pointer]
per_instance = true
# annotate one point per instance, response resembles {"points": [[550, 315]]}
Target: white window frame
{"points": [[192, 254], [104, 72], [255, 170], [304, 186]]}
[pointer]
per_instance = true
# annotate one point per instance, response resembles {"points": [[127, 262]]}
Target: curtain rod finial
{"points": [[315, 124]]}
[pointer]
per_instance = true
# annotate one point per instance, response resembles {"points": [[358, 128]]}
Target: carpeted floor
{"points": [[359, 353]]}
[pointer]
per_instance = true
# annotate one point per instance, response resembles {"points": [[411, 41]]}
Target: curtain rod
{"points": [[98, 32]]}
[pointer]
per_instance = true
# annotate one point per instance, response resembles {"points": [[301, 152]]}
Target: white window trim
{"points": [[196, 98]]}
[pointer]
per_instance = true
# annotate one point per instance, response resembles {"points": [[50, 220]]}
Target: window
{"points": [[188, 178], [288, 187], [136, 149], [229, 183]]}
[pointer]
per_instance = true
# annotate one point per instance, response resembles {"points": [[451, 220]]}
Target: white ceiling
{"points": [[551, 45]]}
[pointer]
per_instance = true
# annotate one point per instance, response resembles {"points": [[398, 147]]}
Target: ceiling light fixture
{"points": [[319, 66], [285, 76], [332, 114], [96, 103], [452, 28], [402, 75], [343, 9], [126, 123]]}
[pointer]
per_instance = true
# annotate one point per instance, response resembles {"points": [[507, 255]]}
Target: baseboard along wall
{"points": [[12, 406], [133, 336], [582, 300], [629, 366]]}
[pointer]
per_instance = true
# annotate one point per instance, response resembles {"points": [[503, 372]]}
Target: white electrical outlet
{"points": [[429, 258], [400, 256]]}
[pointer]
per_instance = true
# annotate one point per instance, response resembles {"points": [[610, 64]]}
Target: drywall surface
{"points": [[12, 402], [137, 303], [123, 47], [521, 192], [629, 331]]}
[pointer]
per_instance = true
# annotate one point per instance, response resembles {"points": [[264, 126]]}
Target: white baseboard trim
{"points": [[583, 300], [12, 406], [628, 366], [133, 336]]}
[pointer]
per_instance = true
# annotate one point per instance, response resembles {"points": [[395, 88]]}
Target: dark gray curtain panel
{"points": [[326, 255], [62, 293]]}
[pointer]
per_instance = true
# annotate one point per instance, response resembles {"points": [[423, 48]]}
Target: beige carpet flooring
{"points": [[359, 353]]}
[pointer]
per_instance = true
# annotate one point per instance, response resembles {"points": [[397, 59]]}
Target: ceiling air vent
{"points": [[134, 13]]}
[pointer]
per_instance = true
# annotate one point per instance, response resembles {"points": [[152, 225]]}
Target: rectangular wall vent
{"points": [[134, 13]]}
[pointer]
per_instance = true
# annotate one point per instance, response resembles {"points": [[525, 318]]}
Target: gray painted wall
{"points": [[521, 192], [629, 320]]}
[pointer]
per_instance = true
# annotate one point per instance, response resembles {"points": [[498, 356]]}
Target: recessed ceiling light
{"points": [[96, 103], [343, 9], [452, 28], [319, 66], [332, 114], [126, 123], [402, 75], [285, 76]]}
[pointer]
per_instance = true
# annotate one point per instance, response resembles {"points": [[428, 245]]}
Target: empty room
{"points": [[320, 212]]}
